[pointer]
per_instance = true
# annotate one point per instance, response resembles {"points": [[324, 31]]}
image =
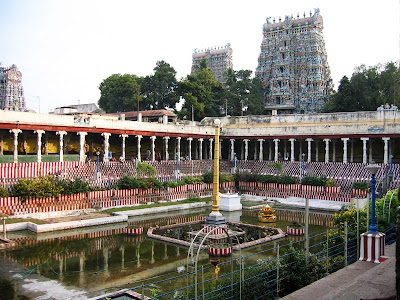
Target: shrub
{"points": [[76, 186], [40, 188], [173, 184], [208, 177], [360, 185], [329, 183], [145, 170], [226, 178], [128, 183], [313, 180], [4, 192], [286, 179], [193, 180]]}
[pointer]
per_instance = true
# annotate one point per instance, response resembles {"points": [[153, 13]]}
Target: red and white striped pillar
{"points": [[372, 246]]}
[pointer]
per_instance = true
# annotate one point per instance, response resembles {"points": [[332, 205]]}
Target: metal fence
{"points": [[266, 274]]}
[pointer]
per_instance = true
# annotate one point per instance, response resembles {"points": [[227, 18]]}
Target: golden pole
{"points": [[215, 196]]}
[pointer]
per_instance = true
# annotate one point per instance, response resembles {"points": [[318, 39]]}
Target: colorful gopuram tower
{"points": [[11, 91], [219, 59], [293, 64]]}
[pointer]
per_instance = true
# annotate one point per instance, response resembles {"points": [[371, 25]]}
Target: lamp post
{"points": [[372, 242], [215, 217], [373, 169]]}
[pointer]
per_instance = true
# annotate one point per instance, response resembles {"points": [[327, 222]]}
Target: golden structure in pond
{"points": [[267, 214]]}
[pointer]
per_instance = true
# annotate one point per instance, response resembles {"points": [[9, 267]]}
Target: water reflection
{"points": [[103, 258]]}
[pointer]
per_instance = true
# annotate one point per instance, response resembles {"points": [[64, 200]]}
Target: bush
{"points": [[128, 183], [286, 179], [299, 270], [145, 170], [76, 186], [226, 178], [208, 177], [42, 187], [4, 192], [360, 185], [193, 180], [313, 180], [330, 183], [173, 184]]}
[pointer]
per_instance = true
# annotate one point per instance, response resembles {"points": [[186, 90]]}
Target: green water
{"points": [[102, 259]]}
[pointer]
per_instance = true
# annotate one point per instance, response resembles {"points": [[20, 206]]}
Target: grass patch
{"points": [[144, 206], [33, 158], [18, 220]]}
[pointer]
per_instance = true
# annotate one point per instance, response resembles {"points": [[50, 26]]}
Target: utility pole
{"points": [[137, 96]]}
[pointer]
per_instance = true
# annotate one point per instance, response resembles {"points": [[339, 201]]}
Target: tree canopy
{"points": [[367, 89], [160, 89], [202, 91], [243, 92], [118, 93]]}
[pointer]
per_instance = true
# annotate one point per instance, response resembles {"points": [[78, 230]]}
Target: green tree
{"points": [[119, 93], [242, 91], [201, 91], [367, 89], [160, 89]]}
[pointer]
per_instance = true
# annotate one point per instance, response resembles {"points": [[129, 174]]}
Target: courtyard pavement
{"points": [[360, 280]]}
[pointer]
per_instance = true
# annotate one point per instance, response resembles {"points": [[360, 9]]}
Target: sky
{"points": [[65, 48]]}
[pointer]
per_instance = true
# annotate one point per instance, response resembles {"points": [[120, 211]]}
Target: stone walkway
{"points": [[360, 280]]}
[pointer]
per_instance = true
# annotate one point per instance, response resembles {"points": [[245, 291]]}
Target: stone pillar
{"points": [[260, 154], [255, 150], [166, 139], [106, 144], [246, 148], [15, 152], [386, 150], [39, 145], [300, 150], [316, 151], [232, 149], [1, 144], [139, 146], [351, 150], [201, 148], [276, 141], [333, 150], [269, 150], [327, 149], [82, 135], [309, 149], [178, 147], [124, 136], [292, 149], [46, 144], [210, 156], [364, 140], [190, 147], [153, 147], [284, 149], [345, 140], [370, 152]]}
